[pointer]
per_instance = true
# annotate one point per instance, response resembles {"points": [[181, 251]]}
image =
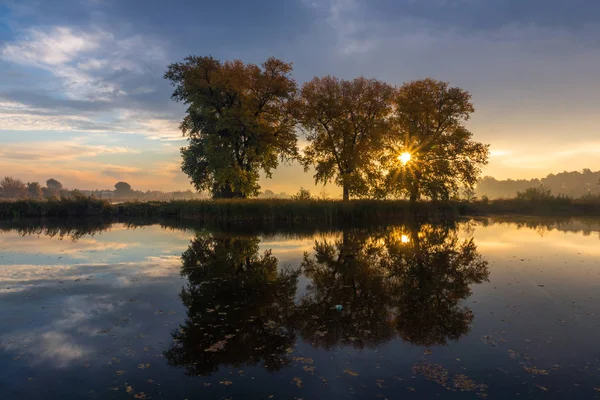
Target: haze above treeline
{"points": [[572, 184]]}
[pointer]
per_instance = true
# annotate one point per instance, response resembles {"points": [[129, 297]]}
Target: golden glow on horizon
{"points": [[404, 158], [404, 239]]}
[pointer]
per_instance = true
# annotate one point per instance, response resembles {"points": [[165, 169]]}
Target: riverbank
{"points": [[294, 210]]}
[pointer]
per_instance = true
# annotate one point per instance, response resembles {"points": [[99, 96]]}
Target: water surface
{"points": [[489, 308]]}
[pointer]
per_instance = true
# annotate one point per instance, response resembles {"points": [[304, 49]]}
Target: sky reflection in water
{"points": [[475, 309]]}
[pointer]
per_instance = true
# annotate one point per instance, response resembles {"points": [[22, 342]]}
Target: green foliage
{"points": [[345, 123], [429, 125], [238, 121]]}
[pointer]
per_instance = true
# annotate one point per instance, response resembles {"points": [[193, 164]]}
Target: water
{"points": [[498, 309]]}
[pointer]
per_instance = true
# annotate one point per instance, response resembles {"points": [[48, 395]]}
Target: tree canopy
{"points": [[53, 184], [34, 190], [345, 123], [12, 188], [429, 126], [122, 188], [238, 121]]}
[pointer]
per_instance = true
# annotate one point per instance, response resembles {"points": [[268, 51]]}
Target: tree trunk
{"points": [[346, 192], [415, 189], [225, 192]]}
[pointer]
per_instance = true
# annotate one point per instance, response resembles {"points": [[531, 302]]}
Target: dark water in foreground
{"points": [[471, 310]]}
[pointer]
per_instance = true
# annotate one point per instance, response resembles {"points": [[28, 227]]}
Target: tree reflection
{"points": [[240, 307], [434, 270], [350, 272], [365, 289], [408, 281]]}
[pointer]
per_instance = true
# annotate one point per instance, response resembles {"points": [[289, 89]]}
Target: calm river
{"points": [[496, 308]]}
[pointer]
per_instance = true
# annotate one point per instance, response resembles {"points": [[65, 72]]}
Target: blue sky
{"points": [[82, 97]]}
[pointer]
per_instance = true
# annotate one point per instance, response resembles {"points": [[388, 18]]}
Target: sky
{"points": [[83, 99]]}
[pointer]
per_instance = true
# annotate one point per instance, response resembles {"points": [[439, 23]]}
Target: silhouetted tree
{"points": [[429, 126], [240, 307], [238, 121], [345, 122], [34, 190], [122, 189], [303, 194], [12, 188], [54, 185]]}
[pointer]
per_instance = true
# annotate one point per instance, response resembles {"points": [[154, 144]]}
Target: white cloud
{"points": [[82, 60], [55, 47]]}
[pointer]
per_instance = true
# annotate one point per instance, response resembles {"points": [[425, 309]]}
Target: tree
{"points": [[122, 189], [34, 190], [12, 188], [442, 156], [53, 188], [345, 122], [238, 121], [303, 194]]}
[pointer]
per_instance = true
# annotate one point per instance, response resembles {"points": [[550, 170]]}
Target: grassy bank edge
{"points": [[292, 210]]}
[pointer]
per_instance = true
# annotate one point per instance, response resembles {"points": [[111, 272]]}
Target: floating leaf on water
{"points": [[216, 347], [350, 372], [536, 371], [303, 360], [119, 373], [309, 369], [297, 381], [226, 382], [143, 366]]}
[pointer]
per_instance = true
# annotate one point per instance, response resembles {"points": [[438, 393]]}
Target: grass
{"points": [[292, 211], [227, 210]]}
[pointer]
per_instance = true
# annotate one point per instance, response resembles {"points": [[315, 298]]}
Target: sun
{"points": [[404, 158], [404, 239]]}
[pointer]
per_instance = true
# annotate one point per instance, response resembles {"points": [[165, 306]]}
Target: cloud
{"points": [[56, 150], [45, 48], [86, 62]]}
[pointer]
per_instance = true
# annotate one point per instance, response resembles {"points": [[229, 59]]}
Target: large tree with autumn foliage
{"points": [[238, 121], [429, 127], [345, 122]]}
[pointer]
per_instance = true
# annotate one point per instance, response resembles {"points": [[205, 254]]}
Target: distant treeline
{"points": [[572, 184], [15, 189]]}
